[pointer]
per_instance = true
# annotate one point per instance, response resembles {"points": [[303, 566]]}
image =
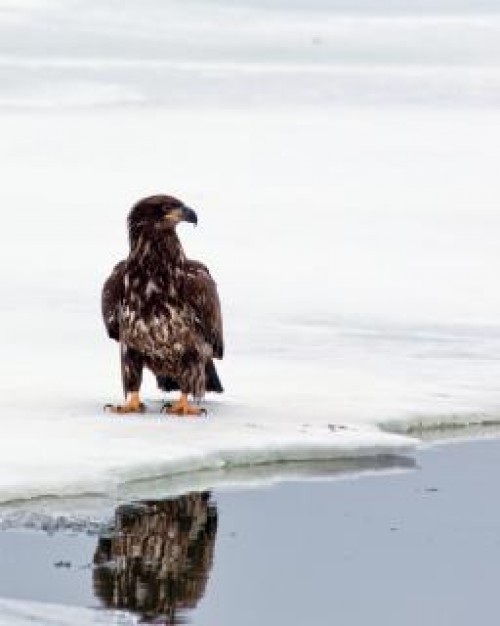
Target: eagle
{"points": [[164, 310]]}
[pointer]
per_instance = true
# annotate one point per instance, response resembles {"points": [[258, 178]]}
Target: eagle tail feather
{"points": [[212, 378], [165, 383]]}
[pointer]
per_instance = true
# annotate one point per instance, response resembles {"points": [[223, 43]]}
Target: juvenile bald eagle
{"points": [[163, 309]]}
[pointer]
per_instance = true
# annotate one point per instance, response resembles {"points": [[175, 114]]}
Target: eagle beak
{"points": [[188, 215]]}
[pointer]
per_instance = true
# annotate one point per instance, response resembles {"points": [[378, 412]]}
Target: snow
{"points": [[17, 613], [348, 208]]}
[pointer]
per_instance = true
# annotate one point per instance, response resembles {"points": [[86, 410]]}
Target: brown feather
{"points": [[162, 307]]}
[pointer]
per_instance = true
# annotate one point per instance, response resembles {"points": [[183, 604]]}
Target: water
{"points": [[292, 552]]}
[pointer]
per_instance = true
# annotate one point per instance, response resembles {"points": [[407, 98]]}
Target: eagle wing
{"points": [[111, 297], [200, 292]]}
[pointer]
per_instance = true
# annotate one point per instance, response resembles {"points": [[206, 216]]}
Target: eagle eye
{"points": [[168, 208]]}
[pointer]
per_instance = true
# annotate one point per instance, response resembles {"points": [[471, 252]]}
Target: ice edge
{"points": [[335, 443]]}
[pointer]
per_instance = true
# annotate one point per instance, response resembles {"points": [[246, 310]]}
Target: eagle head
{"points": [[158, 213]]}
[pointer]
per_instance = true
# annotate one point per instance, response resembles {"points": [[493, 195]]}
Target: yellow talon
{"points": [[133, 405], [183, 408]]}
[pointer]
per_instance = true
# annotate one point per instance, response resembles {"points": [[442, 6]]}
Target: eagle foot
{"points": [[182, 408], [122, 409], [133, 405]]}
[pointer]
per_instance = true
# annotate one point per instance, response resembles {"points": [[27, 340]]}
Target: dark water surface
{"points": [[416, 546]]}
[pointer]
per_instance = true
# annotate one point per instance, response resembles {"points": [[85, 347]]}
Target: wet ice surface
{"points": [[212, 54], [292, 552]]}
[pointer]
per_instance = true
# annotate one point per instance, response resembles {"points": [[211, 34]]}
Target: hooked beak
{"points": [[188, 215]]}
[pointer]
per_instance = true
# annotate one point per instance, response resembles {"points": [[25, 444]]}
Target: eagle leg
{"points": [[132, 364], [183, 408], [133, 405]]}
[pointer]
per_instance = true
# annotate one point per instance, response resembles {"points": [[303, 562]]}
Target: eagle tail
{"points": [[165, 383], [212, 378]]}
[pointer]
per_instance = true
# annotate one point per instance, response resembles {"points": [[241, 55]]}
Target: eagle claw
{"points": [[182, 408], [123, 409]]}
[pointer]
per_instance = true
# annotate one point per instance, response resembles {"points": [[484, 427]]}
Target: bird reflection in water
{"points": [[157, 561]]}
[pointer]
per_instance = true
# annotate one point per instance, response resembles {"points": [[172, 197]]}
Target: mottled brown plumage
{"points": [[163, 308], [157, 559]]}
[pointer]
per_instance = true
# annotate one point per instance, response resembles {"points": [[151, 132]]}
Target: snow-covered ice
{"points": [[21, 613], [344, 168]]}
